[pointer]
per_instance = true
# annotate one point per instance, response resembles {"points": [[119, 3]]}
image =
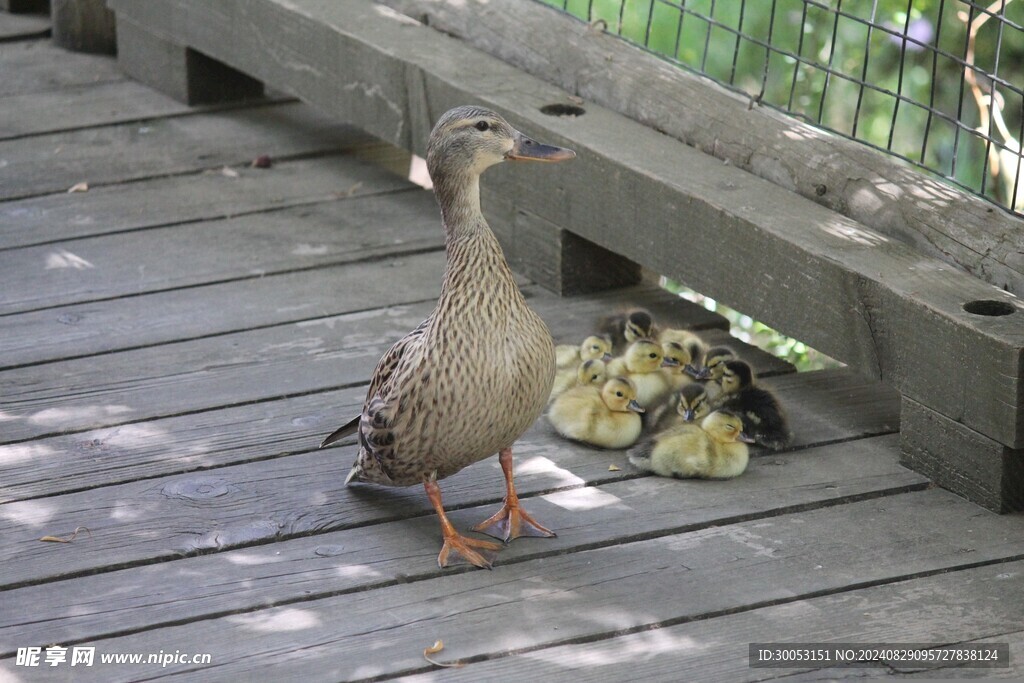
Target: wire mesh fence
{"points": [[937, 83]]}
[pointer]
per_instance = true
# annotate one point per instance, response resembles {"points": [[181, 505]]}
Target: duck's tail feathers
{"points": [[353, 474], [341, 432], [640, 455]]}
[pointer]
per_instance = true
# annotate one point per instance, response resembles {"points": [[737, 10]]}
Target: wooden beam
{"points": [[83, 26], [845, 176]]}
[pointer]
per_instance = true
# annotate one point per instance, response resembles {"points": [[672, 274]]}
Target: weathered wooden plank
{"points": [[976, 604], [53, 163], [186, 198], [368, 557], [250, 246], [39, 66], [824, 408], [595, 593], [82, 105], [310, 355], [23, 27], [855, 294], [845, 176], [961, 459]]}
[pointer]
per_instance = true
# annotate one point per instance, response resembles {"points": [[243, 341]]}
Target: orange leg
{"points": [[511, 521], [456, 545]]}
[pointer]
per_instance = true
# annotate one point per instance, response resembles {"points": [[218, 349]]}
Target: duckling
{"points": [[711, 366], [677, 359], [763, 417], [716, 449], [642, 364], [473, 376], [591, 372], [567, 355], [687, 405], [693, 344], [626, 327], [606, 417]]}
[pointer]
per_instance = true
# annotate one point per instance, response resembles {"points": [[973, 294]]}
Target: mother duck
{"points": [[473, 376]]}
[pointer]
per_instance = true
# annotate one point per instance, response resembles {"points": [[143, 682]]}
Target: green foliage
{"points": [[890, 114], [746, 329]]}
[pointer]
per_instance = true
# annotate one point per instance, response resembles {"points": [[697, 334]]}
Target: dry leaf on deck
{"points": [[66, 539], [614, 468], [229, 172], [79, 187], [433, 650]]}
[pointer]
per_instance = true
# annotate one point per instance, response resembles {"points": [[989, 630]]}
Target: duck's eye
{"points": [[653, 355], [619, 394], [595, 347], [482, 126], [593, 377]]}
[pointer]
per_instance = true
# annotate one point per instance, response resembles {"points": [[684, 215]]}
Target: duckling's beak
{"points": [[531, 150], [689, 414], [669, 362], [634, 406], [746, 438], [606, 358], [697, 373]]}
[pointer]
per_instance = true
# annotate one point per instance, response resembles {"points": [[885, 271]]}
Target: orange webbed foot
{"points": [[512, 522], [458, 549]]}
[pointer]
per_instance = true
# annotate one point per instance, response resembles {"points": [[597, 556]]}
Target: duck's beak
{"points": [[669, 362], [689, 414], [525, 149], [697, 373], [634, 406], [747, 438], [606, 358]]}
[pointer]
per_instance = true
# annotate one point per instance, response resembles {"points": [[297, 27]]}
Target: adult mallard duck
{"points": [[478, 371]]}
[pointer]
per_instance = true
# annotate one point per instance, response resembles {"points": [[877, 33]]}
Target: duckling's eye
{"points": [[482, 126], [653, 355], [595, 347], [619, 394], [593, 377]]}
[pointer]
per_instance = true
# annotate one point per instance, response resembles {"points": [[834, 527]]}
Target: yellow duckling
{"points": [[606, 417], [567, 355], [717, 449], [688, 340], [690, 404], [592, 372], [677, 365], [642, 364]]}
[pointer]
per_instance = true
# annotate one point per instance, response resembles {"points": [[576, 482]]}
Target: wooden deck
{"points": [[177, 340]]}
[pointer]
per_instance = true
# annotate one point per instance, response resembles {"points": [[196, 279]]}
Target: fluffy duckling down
{"points": [[607, 417], [715, 449], [693, 344], [688, 405], [626, 327], [567, 355], [677, 365], [762, 414], [591, 372], [641, 364]]}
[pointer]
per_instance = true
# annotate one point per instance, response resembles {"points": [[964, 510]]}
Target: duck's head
{"points": [[736, 375], [644, 355], [591, 372], [724, 426], [714, 359], [639, 325], [595, 347], [677, 356], [469, 139], [619, 394], [693, 402]]}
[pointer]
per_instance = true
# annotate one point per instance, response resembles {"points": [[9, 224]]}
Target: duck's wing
{"points": [[379, 383]]}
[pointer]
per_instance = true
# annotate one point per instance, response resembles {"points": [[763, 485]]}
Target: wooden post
{"points": [[83, 26], [178, 71]]}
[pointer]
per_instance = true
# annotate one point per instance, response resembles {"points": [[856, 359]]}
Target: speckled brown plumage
{"points": [[477, 372]]}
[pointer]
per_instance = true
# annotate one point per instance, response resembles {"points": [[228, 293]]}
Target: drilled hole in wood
{"points": [[989, 307], [562, 110]]}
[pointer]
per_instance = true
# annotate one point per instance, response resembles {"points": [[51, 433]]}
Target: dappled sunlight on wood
{"points": [[587, 498], [270, 621], [33, 513], [58, 417], [21, 452], [63, 258], [851, 233]]}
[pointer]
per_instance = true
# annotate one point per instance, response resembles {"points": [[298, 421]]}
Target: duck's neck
{"points": [[476, 262]]}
